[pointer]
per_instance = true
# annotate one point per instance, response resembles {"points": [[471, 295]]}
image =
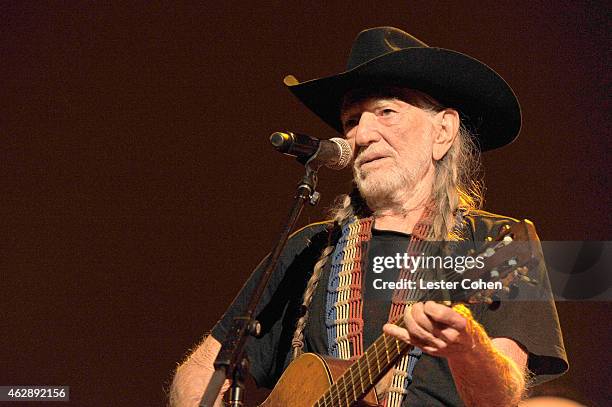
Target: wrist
{"points": [[477, 343]]}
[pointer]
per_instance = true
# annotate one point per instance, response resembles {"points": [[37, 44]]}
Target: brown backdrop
{"points": [[139, 189]]}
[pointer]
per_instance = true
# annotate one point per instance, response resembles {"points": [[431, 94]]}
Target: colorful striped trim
{"points": [[344, 302]]}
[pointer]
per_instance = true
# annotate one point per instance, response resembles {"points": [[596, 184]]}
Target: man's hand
{"points": [[192, 377], [436, 329]]}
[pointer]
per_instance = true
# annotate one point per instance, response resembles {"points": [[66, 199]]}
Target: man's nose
{"points": [[367, 130]]}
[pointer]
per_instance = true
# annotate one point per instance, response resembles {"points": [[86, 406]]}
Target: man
{"points": [[407, 110]]}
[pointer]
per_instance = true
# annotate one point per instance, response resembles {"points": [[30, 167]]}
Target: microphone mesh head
{"points": [[346, 154]]}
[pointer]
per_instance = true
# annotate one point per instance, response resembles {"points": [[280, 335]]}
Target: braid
{"points": [[346, 207], [297, 343]]}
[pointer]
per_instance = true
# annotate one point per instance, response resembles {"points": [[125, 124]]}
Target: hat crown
{"points": [[374, 42]]}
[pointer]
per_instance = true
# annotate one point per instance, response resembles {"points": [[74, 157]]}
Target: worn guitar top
{"points": [[534, 324]]}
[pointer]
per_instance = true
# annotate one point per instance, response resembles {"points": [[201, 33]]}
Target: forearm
{"points": [[193, 375], [484, 376], [487, 372]]}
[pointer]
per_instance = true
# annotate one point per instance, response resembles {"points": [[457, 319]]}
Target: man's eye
{"points": [[387, 112]]}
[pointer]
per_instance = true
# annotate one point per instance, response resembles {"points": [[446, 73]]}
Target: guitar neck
{"points": [[368, 370]]}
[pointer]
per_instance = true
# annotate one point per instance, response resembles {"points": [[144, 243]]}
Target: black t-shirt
{"points": [[376, 304], [534, 325]]}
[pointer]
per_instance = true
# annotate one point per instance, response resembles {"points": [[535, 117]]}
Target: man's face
{"points": [[393, 142]]}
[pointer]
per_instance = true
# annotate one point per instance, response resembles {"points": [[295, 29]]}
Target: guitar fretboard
{"points": [[362, 375]]}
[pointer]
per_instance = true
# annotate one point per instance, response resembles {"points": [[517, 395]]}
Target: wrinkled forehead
{"points": [[410, 96]]}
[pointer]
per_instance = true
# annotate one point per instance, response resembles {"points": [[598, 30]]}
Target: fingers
{"points": [[420, 328], [435, 328], [444, 315], [447, 334], [396, 331], [402, 334]]}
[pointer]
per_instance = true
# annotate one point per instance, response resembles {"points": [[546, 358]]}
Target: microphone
{"points": [[335, 153]]}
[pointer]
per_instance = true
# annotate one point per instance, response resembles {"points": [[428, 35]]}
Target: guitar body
{"points": [[306, 379]]}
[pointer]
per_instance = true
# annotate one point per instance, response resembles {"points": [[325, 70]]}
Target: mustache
{"points": [[371, 153]]}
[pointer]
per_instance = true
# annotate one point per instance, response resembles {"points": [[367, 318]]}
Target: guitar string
{"points": [[380, 354]]}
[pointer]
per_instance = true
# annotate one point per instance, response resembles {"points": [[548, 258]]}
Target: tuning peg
{"points": [[528, 280], [522, 270], [254, 328], [504, 231], [489, 252], [521, 274]]}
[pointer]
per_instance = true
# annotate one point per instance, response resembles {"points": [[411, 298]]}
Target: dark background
{"points": [[139, 189]]}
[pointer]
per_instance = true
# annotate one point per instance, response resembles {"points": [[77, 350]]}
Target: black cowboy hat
{"points": [[387, 55]]}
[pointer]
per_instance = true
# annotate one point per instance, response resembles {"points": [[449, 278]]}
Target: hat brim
{"points": [[486, 102]]}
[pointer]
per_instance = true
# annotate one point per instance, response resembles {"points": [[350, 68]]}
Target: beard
{"points": [[387, 187]]}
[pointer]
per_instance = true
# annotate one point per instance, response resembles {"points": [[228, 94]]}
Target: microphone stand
{"points": [[231, 362]]}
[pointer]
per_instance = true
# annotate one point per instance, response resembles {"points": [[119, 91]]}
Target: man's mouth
{"points": [[371, 159]]}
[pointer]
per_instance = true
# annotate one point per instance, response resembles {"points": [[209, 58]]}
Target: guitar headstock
{"points": [[506, 258]]}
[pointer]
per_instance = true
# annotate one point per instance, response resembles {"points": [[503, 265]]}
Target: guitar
{"points": [[314, 380]]}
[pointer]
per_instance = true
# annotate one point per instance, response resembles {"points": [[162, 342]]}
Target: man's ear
{"points": [[448, 128]]}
